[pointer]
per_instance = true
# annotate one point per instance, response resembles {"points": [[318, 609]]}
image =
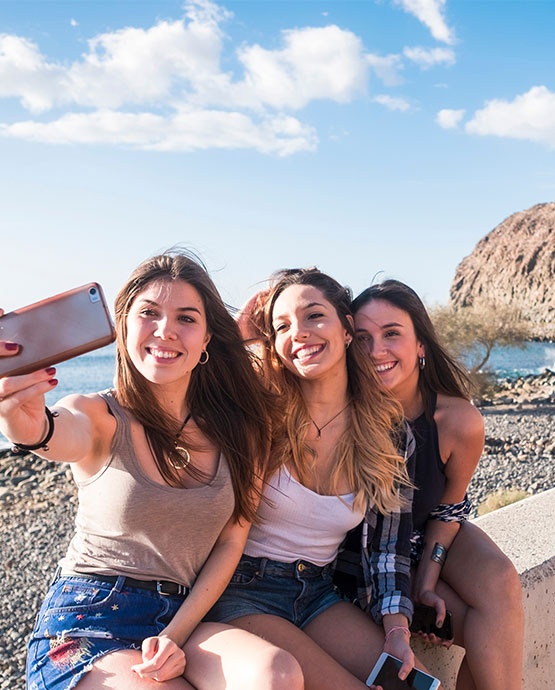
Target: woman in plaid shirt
{"points": [[334, 468]]}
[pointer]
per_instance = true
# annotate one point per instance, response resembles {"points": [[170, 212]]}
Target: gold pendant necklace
{"points": [[185, 456]]}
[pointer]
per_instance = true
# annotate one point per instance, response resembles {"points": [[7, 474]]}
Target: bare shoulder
{"points": [[458, 421], [92, 407]]}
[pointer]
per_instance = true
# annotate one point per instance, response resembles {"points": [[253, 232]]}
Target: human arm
{"points": [[461, 440], [250, 318], [82, 429], [160, 653]]}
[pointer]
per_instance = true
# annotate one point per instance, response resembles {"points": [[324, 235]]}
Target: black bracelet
{"points": [[439, 553], [21, 448]]}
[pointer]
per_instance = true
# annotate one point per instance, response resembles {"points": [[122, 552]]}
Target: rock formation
{"points": [[514, 264]]}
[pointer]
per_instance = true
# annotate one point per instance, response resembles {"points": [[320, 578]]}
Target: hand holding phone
{"points": [[386, 674], [56, 329], [424, 621]]}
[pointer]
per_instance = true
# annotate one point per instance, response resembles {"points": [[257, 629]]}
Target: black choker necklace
{"points": [[319, 429], [183, 452]]}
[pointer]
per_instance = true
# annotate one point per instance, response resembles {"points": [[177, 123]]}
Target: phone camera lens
{"points": [[92, 291]]}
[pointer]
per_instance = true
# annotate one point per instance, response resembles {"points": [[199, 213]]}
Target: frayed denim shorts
{"points": [[82, 619], [297, 591]]}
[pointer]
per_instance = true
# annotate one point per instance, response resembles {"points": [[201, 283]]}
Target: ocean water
{"points": [[95, 371]]}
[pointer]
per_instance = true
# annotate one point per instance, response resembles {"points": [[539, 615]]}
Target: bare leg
{"points": [[320, 670], [221, 657], [486, 580], [218, 657], [113, 672], [351, 637]]}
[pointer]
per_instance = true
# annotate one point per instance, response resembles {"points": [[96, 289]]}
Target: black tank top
{"points": [[429, 472]]}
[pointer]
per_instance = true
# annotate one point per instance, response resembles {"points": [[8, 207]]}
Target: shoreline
{"points": [[38, 500]]}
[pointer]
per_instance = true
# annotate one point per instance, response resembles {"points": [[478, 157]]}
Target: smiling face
{"points": [[166, 332], [388, 335], [310, 339]]}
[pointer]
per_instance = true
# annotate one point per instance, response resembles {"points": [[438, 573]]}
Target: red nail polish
{"points": [[53, 382], [11, 347], [50, 371]]}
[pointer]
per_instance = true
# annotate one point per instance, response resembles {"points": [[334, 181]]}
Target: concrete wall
{"points": [[525, 531]]}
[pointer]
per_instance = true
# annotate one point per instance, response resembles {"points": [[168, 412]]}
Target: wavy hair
{"points": [[366, 453], [229, 403], [442, 373]]}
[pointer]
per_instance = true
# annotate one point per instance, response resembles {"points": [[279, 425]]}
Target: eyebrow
{"points": [[155, 304], [393, 324], [304, 307]]}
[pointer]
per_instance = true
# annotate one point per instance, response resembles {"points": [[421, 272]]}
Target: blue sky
{"points": [[359, 136]]}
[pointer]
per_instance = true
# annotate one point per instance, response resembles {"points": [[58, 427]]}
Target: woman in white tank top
{"points": [[333, 465], [166, 466]]}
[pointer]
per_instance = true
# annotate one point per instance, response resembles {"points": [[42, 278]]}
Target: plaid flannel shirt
{"points": [[373, 565]]}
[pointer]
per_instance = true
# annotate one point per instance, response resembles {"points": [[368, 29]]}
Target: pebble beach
{"points": [[38, 502]]}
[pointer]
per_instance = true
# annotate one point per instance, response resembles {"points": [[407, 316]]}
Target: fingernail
{"points": [[439, 624], [50, 371], [11, 347], [53, 382]]}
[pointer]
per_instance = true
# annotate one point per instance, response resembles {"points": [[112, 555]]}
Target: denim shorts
{"points": [[297, 591], [83, 618]]}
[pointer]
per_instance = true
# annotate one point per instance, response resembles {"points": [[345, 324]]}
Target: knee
{"points": [[280, 671], [503, 585]]}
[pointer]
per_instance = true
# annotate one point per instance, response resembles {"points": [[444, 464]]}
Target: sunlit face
{"points": [[309, 337], [387, 333], [166, 332]]}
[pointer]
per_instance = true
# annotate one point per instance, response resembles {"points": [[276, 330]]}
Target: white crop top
{"points": [[297, 523]]}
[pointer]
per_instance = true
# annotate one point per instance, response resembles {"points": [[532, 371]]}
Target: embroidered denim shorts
{"points": [[82, 619], [297, 591]]}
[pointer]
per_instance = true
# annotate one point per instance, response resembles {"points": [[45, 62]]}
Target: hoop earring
{"points": [[422, 362], [203, 361]]}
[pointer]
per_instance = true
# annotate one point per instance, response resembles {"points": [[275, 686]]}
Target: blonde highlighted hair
{"points": [[367, 452]]}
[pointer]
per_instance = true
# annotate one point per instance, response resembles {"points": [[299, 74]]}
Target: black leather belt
{"points": [[161, 586]]}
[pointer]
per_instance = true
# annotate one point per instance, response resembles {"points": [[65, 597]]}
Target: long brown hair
{"points": [[442, 373], [366, 452], [227, 399]]}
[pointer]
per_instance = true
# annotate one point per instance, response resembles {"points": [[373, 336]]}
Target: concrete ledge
{"points": [[525, 531]]}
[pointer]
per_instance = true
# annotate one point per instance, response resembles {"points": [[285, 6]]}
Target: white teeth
{"points": [[385, 367], [163, 355], [307, 351]]}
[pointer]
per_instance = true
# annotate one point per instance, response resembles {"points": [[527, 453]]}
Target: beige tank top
{"points": [[127, 524]]}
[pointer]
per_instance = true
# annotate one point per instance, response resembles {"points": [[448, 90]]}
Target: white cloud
{"points": [[164, 86], [430, 13], [529, 116], [74, 22], [428, 57], [392, 103], [449, 119], [186, 130], [386, 67]]}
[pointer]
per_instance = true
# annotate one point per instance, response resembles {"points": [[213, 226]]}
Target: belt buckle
{"points": [[159, 588]]}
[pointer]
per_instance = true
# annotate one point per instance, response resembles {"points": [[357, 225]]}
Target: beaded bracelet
{"points": [[21, 448], [394, 628]]}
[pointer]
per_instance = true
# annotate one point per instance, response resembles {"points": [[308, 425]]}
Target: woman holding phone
{"points": [[333, 466], [167, 466], [458, 567]]}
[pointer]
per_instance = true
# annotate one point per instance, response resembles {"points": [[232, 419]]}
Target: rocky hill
{"points": [[514, 264]]}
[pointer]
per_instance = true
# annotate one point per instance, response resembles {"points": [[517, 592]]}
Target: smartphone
{"points": [[424, 620], [55, 329], [386, 674]]}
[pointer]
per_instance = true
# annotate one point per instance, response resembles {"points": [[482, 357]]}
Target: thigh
{"points": [[348, 635], [222, 657], [476, 568], [320, 670], [113, 672]]}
